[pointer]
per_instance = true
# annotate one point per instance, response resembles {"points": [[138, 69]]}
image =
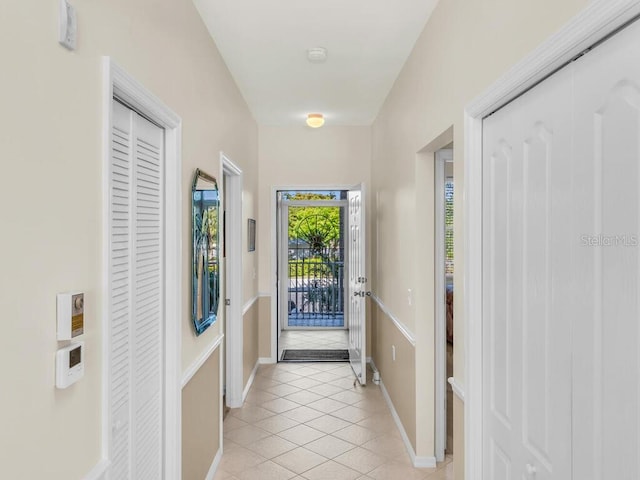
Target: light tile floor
{"points": [[308, 421], [313, 339]]}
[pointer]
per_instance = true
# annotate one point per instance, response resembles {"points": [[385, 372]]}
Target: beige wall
{"points": [[397, 376], [264, 327], [250, 347], [465, 46], [201, 411], [301, 156], [51, 198]]}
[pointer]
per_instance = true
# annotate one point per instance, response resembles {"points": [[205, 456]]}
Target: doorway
{"points": [[232, 273], [444, 268], [311, 259]]}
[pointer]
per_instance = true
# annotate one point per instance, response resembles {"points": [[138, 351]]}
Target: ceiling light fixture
{"points": [[315, 120], [317, 55]]}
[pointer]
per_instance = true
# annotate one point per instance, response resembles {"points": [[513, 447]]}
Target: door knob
{"points": [[531, 470]]}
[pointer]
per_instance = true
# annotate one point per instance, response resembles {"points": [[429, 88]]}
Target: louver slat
{"points": [[136, 297]]}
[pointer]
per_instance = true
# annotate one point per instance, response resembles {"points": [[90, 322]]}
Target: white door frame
{"points": [[598, 20], [275, 332], [118, 83], [441, 157], [233, 287]]}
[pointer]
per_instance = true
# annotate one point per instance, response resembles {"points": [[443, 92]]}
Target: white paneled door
{"points": [[561, 211], [527, 335], [357, 291], [136, 196], [606, 216]]}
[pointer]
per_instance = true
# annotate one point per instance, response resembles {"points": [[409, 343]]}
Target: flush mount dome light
{"points": [[317, 55], [315, 120]]}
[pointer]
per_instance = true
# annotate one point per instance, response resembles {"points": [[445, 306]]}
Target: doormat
{"points": [[290, 355]]}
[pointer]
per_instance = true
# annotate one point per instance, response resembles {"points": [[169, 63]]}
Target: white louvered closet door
{"points": [[136, 280]]}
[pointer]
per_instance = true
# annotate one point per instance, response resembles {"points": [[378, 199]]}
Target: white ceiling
{"points": [[265, 42]]}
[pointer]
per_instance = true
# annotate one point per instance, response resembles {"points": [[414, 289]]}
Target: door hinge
{"points": [[227, 301]]}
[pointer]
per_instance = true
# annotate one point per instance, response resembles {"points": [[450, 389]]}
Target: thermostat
{"points": [[70, 315], [69, 364]]}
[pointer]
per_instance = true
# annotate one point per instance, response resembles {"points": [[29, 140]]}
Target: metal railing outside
{"points": [[316, 287]]}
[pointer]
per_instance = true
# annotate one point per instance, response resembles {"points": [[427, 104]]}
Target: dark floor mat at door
{"points": [[290, 355]]}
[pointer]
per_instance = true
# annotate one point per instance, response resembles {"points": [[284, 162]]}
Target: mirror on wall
{"points": [[205, 275]]}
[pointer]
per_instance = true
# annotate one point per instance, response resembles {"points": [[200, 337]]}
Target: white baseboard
{"points": [[266, 361], [214, 466], [250, 381], [98, 472], [418, 462]]}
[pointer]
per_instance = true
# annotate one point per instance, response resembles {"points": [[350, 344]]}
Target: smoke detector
{"points": [[317, 55]]}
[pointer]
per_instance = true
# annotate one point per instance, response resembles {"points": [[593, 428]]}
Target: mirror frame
{"points": [[201, 289]]}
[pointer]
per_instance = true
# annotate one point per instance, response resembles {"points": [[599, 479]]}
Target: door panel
{"points": [[571, 345], [148, 296], [119, 289], [136, 296], [357, 284], [606, 216], [527, 336]]}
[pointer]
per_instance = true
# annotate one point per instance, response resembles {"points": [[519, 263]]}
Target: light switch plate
{"points": [[68, 31]]}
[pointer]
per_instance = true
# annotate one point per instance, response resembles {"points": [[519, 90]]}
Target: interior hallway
{"points": [[308, 421]]}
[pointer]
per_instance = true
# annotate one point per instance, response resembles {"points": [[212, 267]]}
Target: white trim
{"points": [[418, 462], [234, 324], [264, 294], [200, 361], [98, 472], [408, 334], [284, 281], [473, 297], [107, 100], [249, 304], [457, 388], [266, 361], [441, 156], [250, 381], [598, 19], [117, 82], [214, 465]]}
